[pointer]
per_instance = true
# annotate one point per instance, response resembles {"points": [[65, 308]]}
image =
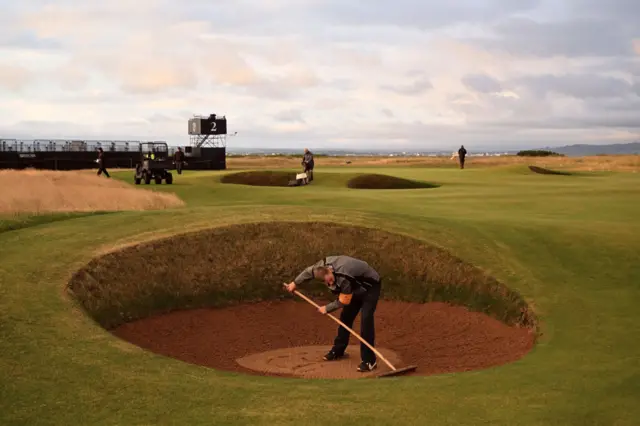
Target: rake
{"points": [[394, 371]]}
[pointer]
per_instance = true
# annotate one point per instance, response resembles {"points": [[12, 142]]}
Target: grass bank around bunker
{"points": [[231, 265]]}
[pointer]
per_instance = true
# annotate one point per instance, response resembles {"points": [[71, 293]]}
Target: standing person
{"points": [[461, 154], [178, 159], [308, 163], [100, 162], [358, 288]]}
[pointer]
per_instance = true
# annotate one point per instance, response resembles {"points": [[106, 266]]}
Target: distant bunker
{"points": [[543, 171], [378, 181], [260, 178], [283, 178], [220, 303]]}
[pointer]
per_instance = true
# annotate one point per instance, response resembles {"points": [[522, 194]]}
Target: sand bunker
{"points": [[377, 181], [543, 171], [305, 361], [259, 178], [219, 302], [43, 191], [289, 338]]}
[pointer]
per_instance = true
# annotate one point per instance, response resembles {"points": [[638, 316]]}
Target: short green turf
{"points": [[568, 244]]}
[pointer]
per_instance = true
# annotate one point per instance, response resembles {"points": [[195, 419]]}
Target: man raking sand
{"points": [[358, 288]]}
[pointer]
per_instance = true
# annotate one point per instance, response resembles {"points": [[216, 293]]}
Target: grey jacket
{"points": [[308, 159], [353, 277]]}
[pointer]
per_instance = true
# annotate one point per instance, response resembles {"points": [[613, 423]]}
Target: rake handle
{"points": [[349, 329]]}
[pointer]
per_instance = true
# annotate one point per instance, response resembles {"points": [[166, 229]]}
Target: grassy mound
{"points": [[378, 181], [544, 171], [259, 178], [246, 263], [44, 191]]}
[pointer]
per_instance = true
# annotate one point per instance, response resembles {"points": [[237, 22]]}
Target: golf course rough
{"points": [[241, 268], [38, 192]]}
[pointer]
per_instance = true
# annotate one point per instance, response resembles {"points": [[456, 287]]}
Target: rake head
{"points": [[398, 371]]}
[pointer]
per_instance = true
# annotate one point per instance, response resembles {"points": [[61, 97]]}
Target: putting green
{"points": [[568, 246]]}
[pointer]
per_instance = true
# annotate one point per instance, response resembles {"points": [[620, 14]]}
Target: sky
{"points": [[342, 74]]}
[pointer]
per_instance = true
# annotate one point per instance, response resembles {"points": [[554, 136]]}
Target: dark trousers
{"points": [[462, 162], [103, 170], [367, 303], [179, 167], [309, 173]]}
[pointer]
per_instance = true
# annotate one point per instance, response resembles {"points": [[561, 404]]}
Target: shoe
{"points": [[367, 366], [332, 356]]}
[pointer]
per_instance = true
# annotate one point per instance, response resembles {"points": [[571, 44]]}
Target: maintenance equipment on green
{"points": [[300, 180], [394, 371], [154, 163]]}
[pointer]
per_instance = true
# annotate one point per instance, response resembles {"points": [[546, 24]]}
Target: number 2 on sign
{"points": [[213, 127]]}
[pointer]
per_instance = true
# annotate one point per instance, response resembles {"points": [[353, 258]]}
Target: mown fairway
{"points": [[568, 244]]}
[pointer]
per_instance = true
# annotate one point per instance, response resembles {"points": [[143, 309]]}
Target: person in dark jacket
{"points": [[178, 159], [100, 162], [308, 163], [461, 154], [358, 288]]}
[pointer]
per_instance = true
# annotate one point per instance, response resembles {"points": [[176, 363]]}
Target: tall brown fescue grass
{"points": [[246, 263], [598, 163], [43, 191]]}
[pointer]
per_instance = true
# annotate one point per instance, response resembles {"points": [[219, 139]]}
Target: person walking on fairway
{"points": [[100, 162], [461, 154], [178, 160], [358, 288]]}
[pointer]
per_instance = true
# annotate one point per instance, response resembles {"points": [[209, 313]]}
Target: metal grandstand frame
{"points": [[216, 141]]}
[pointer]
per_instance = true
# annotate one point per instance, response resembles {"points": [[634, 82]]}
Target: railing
{"points": [[62, 145]]}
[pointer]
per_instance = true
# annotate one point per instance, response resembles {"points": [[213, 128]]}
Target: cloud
{"points": [[581, 28], [581, 86], [482, 83], [290, 115], [418, 87], [14, 78], [333, 73], [422, 15]]}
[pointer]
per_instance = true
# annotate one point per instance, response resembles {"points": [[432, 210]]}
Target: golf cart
{"points": [[154, 163]]}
